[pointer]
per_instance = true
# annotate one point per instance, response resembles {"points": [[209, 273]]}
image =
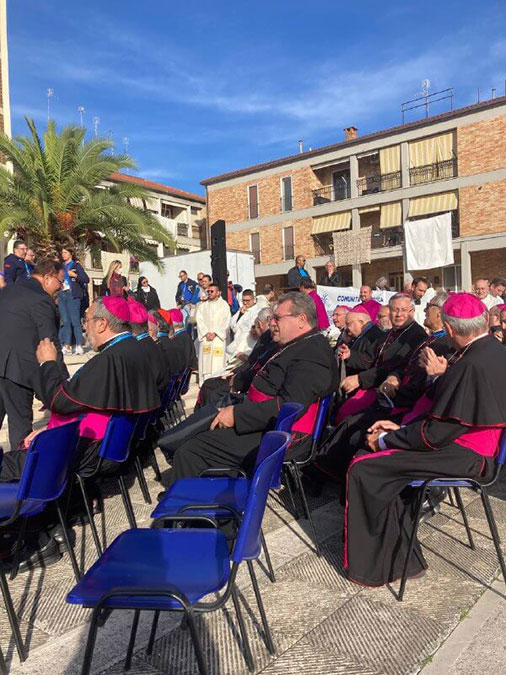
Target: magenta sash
{"points": [[93, 425], [421, 407], [357, 403], [304, 425]]}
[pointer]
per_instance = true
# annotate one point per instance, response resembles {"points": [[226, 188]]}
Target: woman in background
{"points": [[114, 283], [69, 301], [147, 295]]}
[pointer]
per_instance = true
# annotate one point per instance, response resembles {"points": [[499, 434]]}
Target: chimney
{"points": [[301, 147], [350, 133]]}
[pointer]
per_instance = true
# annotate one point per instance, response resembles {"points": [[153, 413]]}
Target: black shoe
{"points": [[432, 504], [161, 495], [57, 534], [44, 557]]}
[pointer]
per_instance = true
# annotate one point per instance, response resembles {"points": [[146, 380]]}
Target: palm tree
{"points": [[53, 195]]}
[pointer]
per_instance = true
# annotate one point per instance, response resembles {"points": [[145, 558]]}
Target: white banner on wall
{"points": [[333, 296]]}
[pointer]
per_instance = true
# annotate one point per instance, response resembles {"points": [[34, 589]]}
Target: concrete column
{"points": [[404, 165], [356, 270], [353, 176], [465, 262], [405, 211]]}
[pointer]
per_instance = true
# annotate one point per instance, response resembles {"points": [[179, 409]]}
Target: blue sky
{"points": [[201, 88]]}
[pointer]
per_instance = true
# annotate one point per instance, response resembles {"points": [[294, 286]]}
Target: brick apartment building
{"points": [[455, 161]]}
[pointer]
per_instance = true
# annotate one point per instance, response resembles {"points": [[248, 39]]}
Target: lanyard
{"points": [[114, 341], [162, 333], [142, 336]]}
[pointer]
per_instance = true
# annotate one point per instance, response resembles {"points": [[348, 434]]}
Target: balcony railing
{"points": [[330, 193], [394, 236], [433, 172], [182, 229], [368, 185]]}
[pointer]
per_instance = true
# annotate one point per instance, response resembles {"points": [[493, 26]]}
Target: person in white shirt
{"points": [[338, 324], [497, 288], [266, 298], [241, 324], [422, 293], [482, 291], [213, 321]]}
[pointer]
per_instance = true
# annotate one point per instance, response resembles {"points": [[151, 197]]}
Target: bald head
{"points": [[365, 293], [355, 322]]}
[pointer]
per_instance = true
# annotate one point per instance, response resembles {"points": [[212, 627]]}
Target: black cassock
{"points": [[349, 436], [456, 438], [363, 349], [156, 359], [178, 351], [302, 371], [120, 378]]}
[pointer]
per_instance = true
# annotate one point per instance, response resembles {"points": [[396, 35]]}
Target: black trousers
{"points": [[226, 448], [378, 520], [17, 404]]}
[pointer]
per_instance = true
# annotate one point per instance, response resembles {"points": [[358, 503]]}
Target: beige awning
{"points": [[391, 215], [431, 150], [333, 222], [368, 209], [390, 159], [422, 206]]}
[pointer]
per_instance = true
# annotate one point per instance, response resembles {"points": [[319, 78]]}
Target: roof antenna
{"points": [[96, 122], [80, 110], [301, 147], [425, 93], [50, 95]]}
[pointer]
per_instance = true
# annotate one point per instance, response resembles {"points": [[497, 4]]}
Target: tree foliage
{"points": [[53, 195]]}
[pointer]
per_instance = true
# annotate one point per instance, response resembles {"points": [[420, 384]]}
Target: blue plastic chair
{"points": [[115, 447], [292, 467], [457, 484], [174, 569], [44, 479], [223, 497]]}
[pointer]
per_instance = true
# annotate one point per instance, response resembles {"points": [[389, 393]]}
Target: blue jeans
{"points": [[70, 312]]}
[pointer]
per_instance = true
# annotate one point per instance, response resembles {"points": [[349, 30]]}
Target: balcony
{"points": [[379, 183], [433, 172], [394, 236], [330, 193]]}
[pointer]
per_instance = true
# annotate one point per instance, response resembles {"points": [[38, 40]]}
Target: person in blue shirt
{"points": [[297, 273], [186, 289], [14, 264], [69, 301], [30, 262]]}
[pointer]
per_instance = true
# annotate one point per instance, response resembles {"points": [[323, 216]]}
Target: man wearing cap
{"points": [[178, 350], [457, 436], [139, 325]]}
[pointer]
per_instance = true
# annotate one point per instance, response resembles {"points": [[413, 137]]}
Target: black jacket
{"points": [[78, 284], [294, 277], [334, 280], [104, 288], [363, 350], [14, 269], [192, 286], [150, 300], [28, 315]]}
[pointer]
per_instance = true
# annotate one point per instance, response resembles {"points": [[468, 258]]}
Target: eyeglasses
{"points": [[87, 319], [401, 311], [278, 317], [60, 281]]}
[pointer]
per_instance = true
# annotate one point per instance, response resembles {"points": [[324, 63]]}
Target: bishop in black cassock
{"points": [[456, 436]]}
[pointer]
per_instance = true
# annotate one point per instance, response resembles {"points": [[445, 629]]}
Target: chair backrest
{"points": [[247, 544], [287, 415], [141, 426], [169, 395], [501, 455], [48, 462], [115, 445], [185, 382], [321, 417]]}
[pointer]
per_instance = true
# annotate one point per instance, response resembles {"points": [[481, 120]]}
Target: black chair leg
{"points": [[131, 642], [268, 636], [156, 468], [152, 635], [450, 498], [142, 481], [242, 628], [126, 501], [493, 530], [288, 483], [18, 546], [305, 506], [90, 644], [3, 665], [270, 568], [11, 613], [89, 513], [411, 546], [68, 543], [196, 643], [462, 510]]}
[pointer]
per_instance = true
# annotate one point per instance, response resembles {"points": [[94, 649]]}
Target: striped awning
{"points": [[431, 150], [422, 206], [368, 209], [333, 222], [391, 215], [390, 159]]}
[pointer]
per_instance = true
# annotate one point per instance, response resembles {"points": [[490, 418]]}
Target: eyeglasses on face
{"points": [[278, 317]]}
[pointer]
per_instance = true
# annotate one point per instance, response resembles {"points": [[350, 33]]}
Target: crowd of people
{"points": [[416, 385]]}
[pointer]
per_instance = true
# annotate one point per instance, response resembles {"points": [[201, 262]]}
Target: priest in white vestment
{"points": [[213, 321]]}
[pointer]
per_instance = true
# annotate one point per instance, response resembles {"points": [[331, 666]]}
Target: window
{"points": [[286, 193], [167, 211], [253, 201], [254, 244], [288, 244], [452, 278], [195, 210]]}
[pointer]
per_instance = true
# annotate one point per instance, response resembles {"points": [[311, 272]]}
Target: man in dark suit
{"points": [[28, 316], [297, 273], [15, 268]]}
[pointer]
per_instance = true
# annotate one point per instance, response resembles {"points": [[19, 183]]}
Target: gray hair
{"points": [[138, 328], [439, 299], [264, 314], [401, 296], [115, 324], [467, 327], [382, 282], [301, 304]]}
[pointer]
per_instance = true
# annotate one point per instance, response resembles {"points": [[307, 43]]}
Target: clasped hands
{"points": [[374, 432], [434, 365]]}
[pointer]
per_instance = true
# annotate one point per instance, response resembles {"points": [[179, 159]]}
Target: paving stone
{"points": [[32, 637], [138, 667]]}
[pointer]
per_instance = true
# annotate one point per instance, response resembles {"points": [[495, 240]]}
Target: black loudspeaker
{"points": [[219, 256]]}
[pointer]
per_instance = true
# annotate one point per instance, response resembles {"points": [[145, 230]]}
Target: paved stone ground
{"points": [[321, 622]]}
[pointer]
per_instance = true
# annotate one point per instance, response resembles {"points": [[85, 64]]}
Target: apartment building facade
{"points": [[369, 187], [183, 215]]}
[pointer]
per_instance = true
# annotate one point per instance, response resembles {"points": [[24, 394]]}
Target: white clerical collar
{"points": [[478, 337]]}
